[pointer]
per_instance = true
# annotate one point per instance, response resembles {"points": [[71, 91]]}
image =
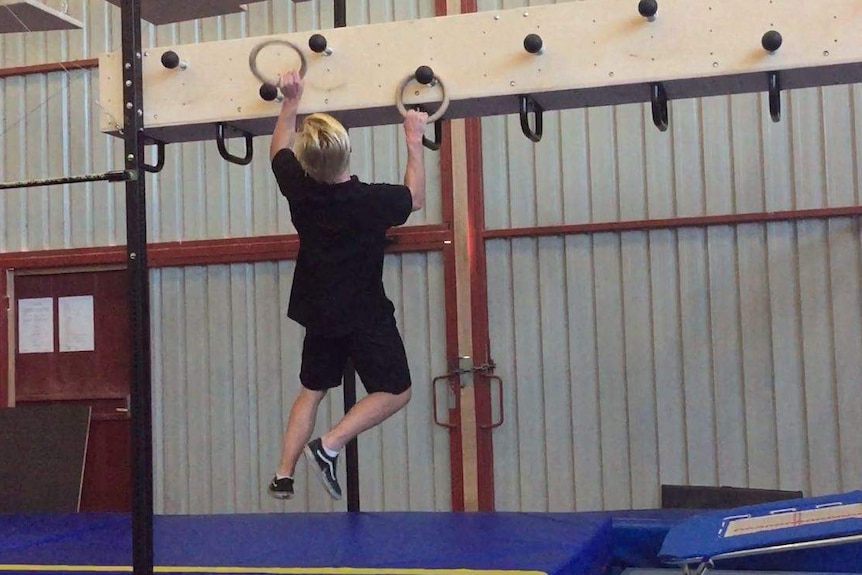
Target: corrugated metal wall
{"points": [[227, 373], [225, 359], [727, 355], [198, 195], [714, 356]]}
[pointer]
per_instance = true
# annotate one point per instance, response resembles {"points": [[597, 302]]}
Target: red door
{"points": [[88, 362]]}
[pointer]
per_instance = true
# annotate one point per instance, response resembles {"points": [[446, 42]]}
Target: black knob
{"points": [[424, 75], [533, 43], [648, 8], [268, 92], [771, 41], [317, 43], [170, 60]]}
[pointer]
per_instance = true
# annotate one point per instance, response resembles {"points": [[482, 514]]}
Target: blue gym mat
{"points": [[809, 534], [309, 544]]}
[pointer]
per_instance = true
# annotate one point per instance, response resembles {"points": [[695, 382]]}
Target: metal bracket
{"points": [[222, 147], [774, 96], [466, 367], [160, 158], [658, 96], [433, 145], [526, 105]]}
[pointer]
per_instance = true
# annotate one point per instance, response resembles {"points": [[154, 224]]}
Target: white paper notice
{"points": [[36, 325], [77, 325]]}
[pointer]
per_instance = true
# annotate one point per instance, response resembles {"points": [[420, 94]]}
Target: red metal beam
{"points": [[675, 223], [194, 253], [214, 252], [479, 309], [50, 67], [4, 342]]}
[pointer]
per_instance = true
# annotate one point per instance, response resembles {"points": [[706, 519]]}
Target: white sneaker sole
{"points": [[279, 494], [319, 473]]}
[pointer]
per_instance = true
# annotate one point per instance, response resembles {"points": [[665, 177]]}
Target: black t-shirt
{"points": [[338, 282]]}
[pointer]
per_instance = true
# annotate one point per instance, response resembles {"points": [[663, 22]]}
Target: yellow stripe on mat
{"points": [[270, 570]]}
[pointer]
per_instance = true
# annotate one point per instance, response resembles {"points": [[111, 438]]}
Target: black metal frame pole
{"points": [[139, 291], [340, 13], [352, 449], [349, 379]]}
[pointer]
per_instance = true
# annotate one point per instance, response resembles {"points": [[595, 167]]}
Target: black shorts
{"points": [[376, 350]]}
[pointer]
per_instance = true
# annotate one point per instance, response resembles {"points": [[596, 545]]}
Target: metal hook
{"points": [[433, 145], [222, 148], [527, 105], [659, 106], [160, 159], [775, 96]]}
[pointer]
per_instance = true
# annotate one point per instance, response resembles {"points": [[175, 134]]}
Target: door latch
{"points": [[461, 377]]}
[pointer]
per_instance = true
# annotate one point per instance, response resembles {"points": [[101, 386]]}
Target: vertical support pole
{"points": [[340, 13], [349, 380], [136, 254], [352, 448], [6, 304]]}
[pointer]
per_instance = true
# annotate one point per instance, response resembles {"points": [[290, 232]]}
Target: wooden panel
{"points": [[108, 474], [722, 54], [33, 16], [99, 374]]}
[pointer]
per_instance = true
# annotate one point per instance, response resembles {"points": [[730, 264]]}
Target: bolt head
{"points": [[771, 41], [648, 8]]}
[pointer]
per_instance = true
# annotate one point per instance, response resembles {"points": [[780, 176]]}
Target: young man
{"points": [[337, 292]]}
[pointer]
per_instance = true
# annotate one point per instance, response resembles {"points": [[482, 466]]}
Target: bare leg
{"points": [[300, 425], [368, 412]]}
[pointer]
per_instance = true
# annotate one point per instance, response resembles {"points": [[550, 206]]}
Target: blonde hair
{"points": [[323, 147]]}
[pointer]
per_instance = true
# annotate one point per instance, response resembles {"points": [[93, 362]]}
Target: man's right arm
{"points": [[285, 127], [414, 174]]}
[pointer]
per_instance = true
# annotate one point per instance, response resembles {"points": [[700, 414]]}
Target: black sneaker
{"points": [[281, 488], [325, 465]]}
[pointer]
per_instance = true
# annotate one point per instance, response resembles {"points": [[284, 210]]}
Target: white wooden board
{"points": [[597, 52]]}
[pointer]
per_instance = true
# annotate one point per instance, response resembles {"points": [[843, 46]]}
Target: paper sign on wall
{"points": [[36, 325], [77, 323]]}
